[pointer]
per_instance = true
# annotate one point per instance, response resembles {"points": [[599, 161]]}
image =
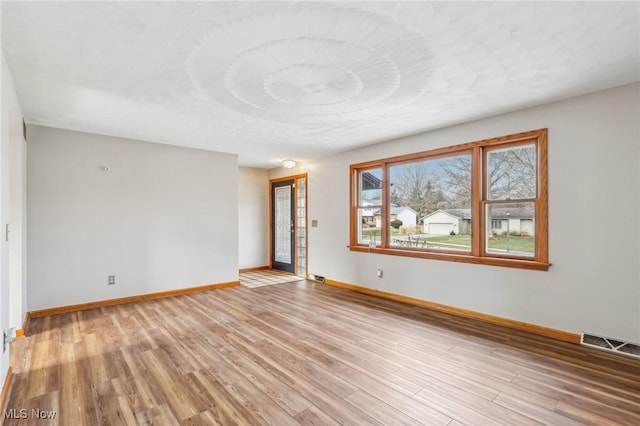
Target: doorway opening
{"points": [[288, 224]]}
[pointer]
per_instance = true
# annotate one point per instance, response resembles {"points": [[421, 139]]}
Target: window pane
{"points": [[301, 226], [430, 204], [370, 188], [283, 222], [511, 229], [511, 173], [369, 228]]}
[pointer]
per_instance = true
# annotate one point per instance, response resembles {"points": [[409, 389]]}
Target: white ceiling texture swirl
{"points": [[272, 80]]}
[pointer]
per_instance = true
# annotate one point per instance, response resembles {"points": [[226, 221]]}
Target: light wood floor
{"points": [[266, 277], [308, 353]]}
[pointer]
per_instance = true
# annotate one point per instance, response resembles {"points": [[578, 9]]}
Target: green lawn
{"points": [[462, 240], [523, 244], [376, 231], [499, 242]]}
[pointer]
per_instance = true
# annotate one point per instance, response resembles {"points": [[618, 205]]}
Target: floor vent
{"points": [[318, 278], [610, 345]]}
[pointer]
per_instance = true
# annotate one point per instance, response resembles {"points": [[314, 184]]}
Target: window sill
{"points": [[456, 257]]}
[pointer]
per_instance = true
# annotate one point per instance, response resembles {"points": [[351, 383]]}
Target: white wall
{"points": [[594, 282], [408, 218], [162, 218], [12, 197], [253, 217]]}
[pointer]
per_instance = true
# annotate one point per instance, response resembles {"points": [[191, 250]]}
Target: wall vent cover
{"points": [[316, 277], [610, 345]]}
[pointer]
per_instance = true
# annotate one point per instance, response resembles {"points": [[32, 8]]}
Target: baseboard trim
{"points": [[519, 325], [254, 269], [129, 299], [5, 388]]}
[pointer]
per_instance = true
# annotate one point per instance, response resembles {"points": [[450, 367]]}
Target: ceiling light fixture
{"points": [[288, 164]]}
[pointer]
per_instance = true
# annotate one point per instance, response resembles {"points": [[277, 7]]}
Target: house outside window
{"points": [[369, 202], [480, 202]]}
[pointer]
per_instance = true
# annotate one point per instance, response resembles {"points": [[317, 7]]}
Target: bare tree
{"points": [[512, 173], [455, 175], [415, 186], [446, 182]]}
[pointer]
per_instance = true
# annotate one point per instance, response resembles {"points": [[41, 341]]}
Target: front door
{"points": [[283, 226]]}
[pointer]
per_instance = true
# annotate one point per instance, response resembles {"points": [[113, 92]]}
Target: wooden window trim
{"points": [[295, 215], [477, 255]]}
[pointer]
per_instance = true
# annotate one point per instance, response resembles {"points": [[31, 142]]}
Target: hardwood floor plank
{"points": [[312, 383], [585, 417], [455, 398], [250, 398], [144, 393], [130, 396], [380, 410], [313, 416], [311, 354], [576, 397], [279, 392], [39, 411], [96, 360], [75, 404], [105, 401], [424, 378], [349, 380], [160, 415], [17, 392], [291, 367], [169, 384], [586, 390], [383, 370], [559, 369], [504, 370], [206, 418], [533, 411], [225, 408], [460, 412], [381, 387]]}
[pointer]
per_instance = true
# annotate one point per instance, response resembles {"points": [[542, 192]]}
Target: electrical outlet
{"points": [[380, 273], [111, 280]]}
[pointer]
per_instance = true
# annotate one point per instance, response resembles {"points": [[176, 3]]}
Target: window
{"points": [[480, 202], [369, 207], [437, 192], [511, 188]]}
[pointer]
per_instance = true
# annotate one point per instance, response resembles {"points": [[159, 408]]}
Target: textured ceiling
{"points": [[270, 81]]}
